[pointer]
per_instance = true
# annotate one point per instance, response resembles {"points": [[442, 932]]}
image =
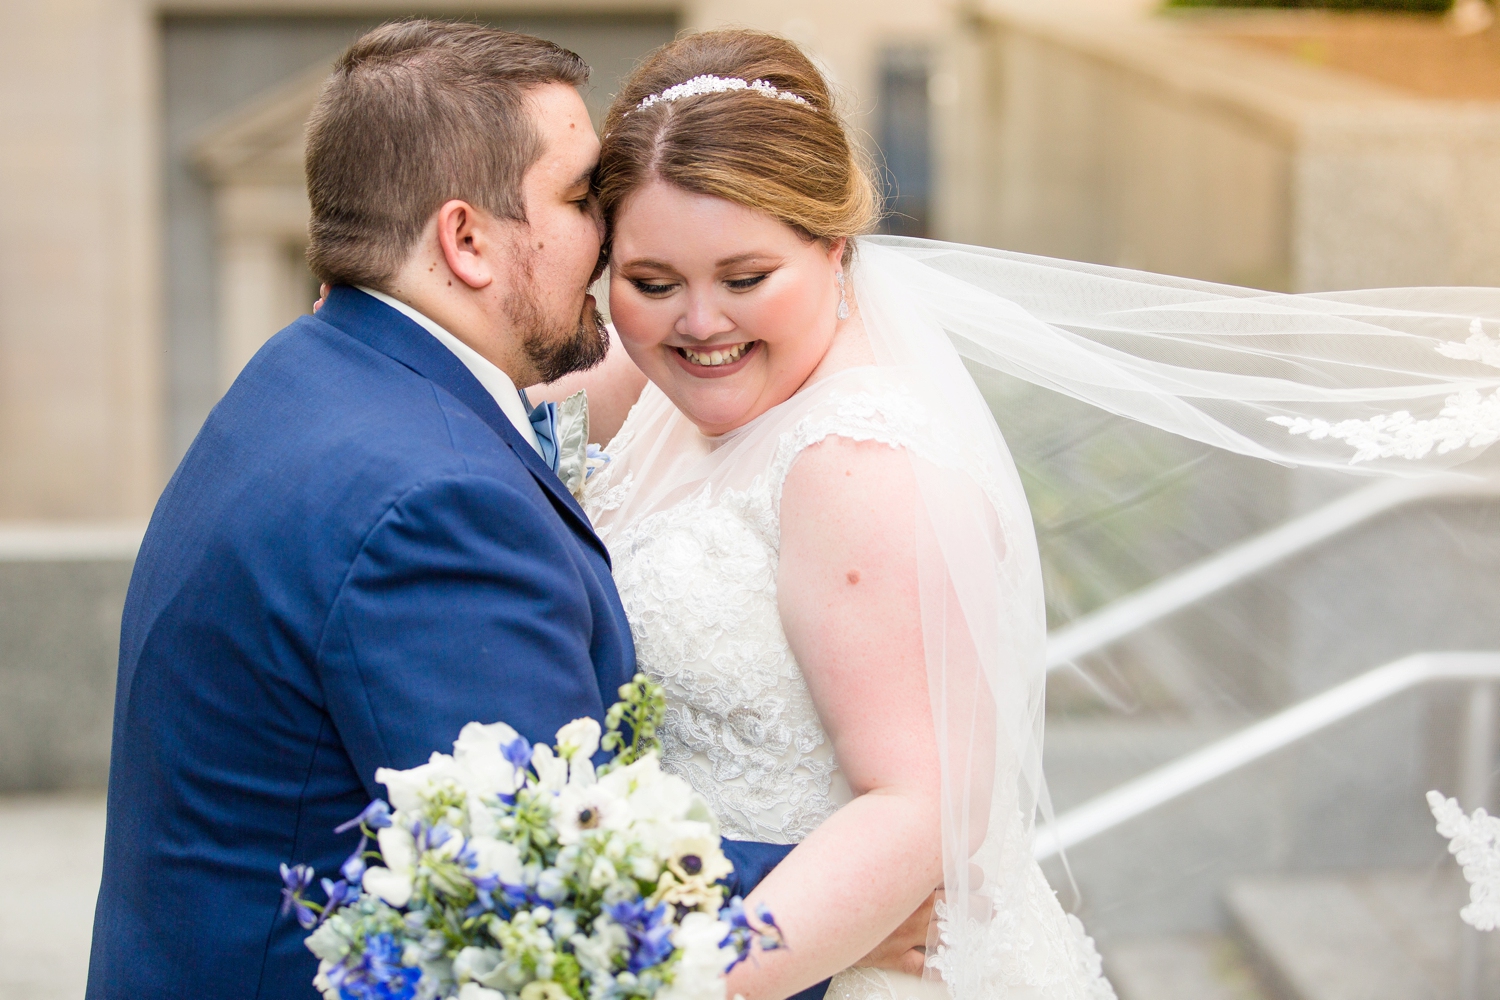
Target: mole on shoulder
{"points": [[852, 576]]}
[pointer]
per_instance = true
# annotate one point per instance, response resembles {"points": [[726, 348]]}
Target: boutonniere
{"points": [[577, 460]]}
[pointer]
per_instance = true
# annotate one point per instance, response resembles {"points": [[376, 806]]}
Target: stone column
{"points": [[80, 357]]}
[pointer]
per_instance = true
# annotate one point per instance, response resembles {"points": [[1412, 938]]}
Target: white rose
{"points": [[579, 739]]}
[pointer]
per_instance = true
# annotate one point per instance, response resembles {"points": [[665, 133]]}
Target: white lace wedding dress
{"points": [[692, 524]]}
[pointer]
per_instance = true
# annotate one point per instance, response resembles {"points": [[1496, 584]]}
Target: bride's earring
{"points": [[843, 310]]}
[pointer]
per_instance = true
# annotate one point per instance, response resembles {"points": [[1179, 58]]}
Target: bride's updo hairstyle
{"points": [[789, 158]]}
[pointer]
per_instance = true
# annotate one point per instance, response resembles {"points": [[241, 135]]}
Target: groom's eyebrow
{"points": [[585, 179]]}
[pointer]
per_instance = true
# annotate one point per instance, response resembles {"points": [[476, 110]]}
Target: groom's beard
{"points": [[556, 345]]}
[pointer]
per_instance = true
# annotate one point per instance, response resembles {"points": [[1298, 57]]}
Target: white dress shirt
{"points": [[495, 381]]}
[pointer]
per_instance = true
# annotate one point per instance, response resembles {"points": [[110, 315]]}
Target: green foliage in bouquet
{"points": [[643, 708]]}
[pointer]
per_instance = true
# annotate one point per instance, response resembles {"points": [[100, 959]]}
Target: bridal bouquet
{"points": [[506, 871]]}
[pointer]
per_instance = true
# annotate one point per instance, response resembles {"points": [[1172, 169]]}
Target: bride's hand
{"points": [[906, 948]]}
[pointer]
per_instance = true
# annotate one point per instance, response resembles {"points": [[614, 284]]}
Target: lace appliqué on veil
{"points": [[1475, 843], [1468, 418]]}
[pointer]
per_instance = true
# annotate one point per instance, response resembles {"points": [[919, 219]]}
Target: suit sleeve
{"points": [[466, 603]]}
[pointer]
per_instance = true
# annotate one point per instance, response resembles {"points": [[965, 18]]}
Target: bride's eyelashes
{"points": [[651, 288], [659, 289]]}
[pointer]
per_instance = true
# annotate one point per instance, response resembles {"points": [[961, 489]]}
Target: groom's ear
{"points": [[471, 243]]}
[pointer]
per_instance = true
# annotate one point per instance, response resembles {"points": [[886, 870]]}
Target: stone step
{"points": [[1180, 967], [1385, 935]]}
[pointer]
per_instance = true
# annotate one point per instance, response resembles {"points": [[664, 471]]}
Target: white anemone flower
{"points": [[584, 808]]}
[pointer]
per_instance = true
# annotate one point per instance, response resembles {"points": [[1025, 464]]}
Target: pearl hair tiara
{"points": [[709, 84]]}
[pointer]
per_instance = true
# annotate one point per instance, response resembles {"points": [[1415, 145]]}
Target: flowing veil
{"points": [[1391, 383], [1401, 383]]}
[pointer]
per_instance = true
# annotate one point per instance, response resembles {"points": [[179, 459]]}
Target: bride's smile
{"points": [[720, 360], [726, 308]]}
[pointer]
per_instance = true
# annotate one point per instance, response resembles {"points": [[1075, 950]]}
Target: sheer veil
{"points": [[1401, 382]]}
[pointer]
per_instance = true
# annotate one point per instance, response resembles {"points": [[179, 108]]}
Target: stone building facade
{"points": [[151, 212]]}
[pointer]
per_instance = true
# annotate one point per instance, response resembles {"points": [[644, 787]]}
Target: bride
{"points": [[818, 533], [825, 555]]}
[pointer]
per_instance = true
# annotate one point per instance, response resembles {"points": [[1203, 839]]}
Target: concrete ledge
{"points": [[43, 542], [62, 591]]}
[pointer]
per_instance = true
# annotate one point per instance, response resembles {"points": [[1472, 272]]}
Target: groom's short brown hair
{"points": [[416, 113]]}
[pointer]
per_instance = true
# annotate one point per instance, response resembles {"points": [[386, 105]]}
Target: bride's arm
{"points": [[613, 387], [847, 588]]}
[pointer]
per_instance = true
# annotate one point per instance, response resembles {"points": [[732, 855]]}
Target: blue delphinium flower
{"points": [[353, 868], [339, 893], [774, 939], [376, 816], [379, 975], [742, 933], [518, 752], [294, 882], [650, 933], [484, 888]]}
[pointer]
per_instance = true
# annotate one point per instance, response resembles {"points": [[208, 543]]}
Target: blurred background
{"points": [[152, 223]]}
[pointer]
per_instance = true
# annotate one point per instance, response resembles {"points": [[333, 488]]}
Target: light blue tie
{"points": [[543, 419]]}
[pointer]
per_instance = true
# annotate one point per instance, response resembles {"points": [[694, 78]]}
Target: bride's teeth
{"points": [[715, 358]]}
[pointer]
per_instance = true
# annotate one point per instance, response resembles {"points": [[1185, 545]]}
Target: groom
{"points": [[364, 549]]}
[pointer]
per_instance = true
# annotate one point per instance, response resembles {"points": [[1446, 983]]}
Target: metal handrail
{"points": [[1171, 781], [1238, 562]]}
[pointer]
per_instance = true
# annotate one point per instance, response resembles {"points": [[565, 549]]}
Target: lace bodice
{"points": [[698, 581]]}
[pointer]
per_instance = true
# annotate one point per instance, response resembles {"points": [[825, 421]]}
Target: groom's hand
{"points": [[906, 949]]}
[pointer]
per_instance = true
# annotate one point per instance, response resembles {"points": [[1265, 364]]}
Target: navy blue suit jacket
{"points": [[357, 556]]}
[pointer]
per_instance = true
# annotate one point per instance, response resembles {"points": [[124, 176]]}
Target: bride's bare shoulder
{"points": [[840, 484]]}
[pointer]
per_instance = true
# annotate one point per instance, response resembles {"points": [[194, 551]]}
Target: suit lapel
{"points": [[382, 328]]}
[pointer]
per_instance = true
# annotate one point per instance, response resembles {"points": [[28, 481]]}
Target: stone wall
{"points": [[1166, 145]]}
